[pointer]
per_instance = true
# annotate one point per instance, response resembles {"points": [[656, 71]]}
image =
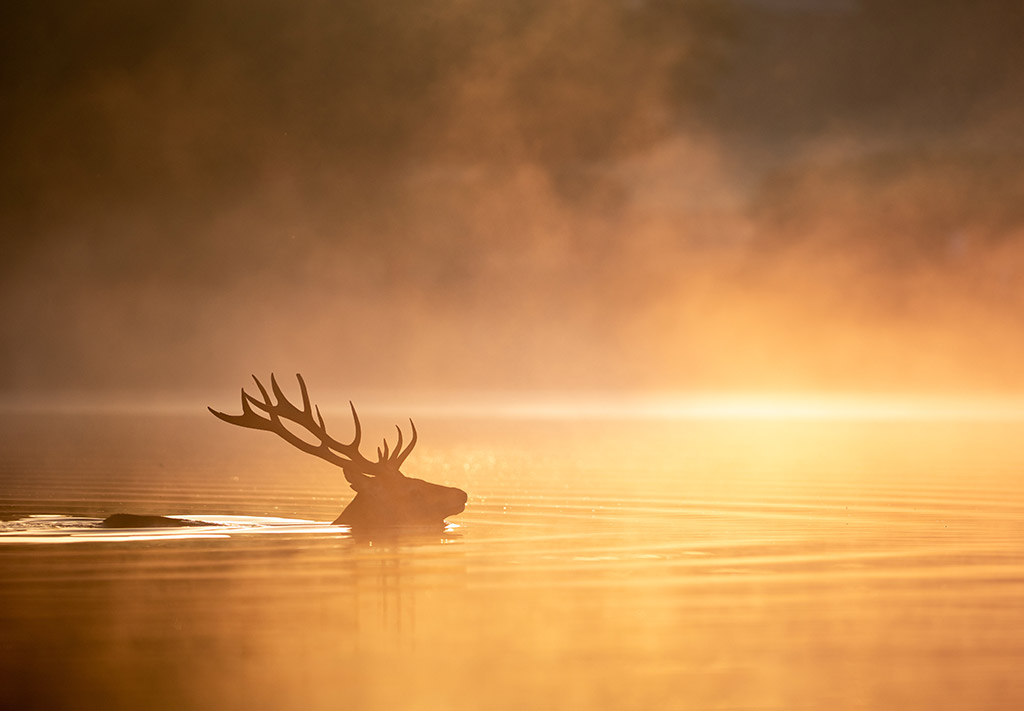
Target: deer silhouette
{"points": [[384, 495]]}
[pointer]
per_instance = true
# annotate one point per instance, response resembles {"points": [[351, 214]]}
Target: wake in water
{"points": [[58, 528], [55, 528]]}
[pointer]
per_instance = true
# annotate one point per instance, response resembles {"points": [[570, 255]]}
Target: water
{"points": [[598, 565]]}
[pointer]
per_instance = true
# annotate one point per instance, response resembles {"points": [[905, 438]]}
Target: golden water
{"points": [[599, 565]]}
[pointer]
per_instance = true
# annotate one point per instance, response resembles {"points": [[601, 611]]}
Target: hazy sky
{"points": [[488, 195]]}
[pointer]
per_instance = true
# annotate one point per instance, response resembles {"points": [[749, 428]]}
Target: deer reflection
{"points": [[385, 497]]}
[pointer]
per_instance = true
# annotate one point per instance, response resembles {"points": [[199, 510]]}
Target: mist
{"points": [[512, 196]]}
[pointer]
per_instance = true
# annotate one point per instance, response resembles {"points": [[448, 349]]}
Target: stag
{"points": [[384, 495]]}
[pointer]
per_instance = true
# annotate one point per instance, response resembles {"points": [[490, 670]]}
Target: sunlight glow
{"points": [[734, 407]]}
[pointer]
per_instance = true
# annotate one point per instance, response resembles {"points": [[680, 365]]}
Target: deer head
{"points": [[384, 495]]}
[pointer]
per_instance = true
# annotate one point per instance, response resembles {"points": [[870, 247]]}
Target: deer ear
{"points": [[356, 479]]}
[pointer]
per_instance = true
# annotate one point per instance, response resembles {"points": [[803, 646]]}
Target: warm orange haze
{"points": [[683, 194], [712, 307]]}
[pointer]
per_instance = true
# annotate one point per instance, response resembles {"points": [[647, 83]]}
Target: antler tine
{"points": [[247, 401], [359, 428], [305, 396], [285, 405], [398, 444], [246, 409], [400, 458], [266, 404], [248, 418]]}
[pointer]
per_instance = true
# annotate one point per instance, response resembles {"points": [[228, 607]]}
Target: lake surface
{"points": [[663, 564]]}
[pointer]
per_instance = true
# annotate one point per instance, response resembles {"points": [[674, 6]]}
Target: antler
{"points": [[309, 418]]}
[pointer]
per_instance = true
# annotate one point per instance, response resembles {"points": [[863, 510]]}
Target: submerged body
{"points": [[127, 520], [413, 502]]}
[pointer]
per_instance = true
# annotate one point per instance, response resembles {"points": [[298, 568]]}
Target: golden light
{"points": [[731, 406]]}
